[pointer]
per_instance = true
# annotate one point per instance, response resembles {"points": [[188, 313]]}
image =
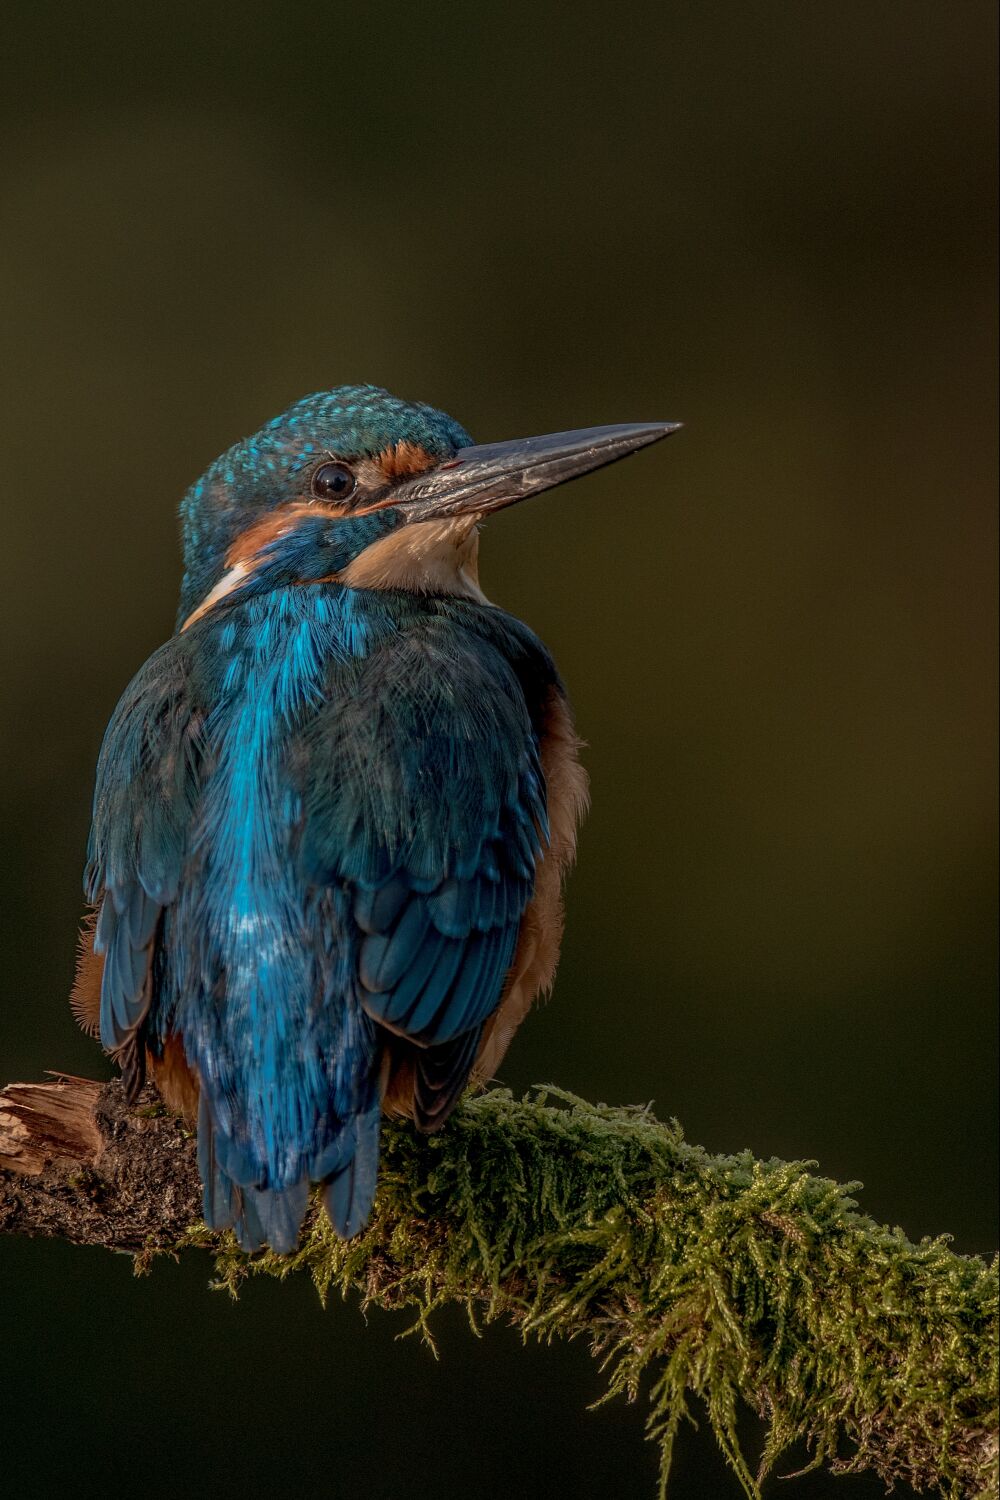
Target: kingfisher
{"points": [[333, 813]]}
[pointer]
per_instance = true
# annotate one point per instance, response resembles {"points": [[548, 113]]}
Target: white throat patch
{"points": [[425, 557]]}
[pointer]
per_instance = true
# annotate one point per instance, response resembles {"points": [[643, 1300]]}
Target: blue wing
{"points": [[147, 781], [426, 798]]}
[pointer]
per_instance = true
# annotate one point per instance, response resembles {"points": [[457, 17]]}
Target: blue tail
{"points": [[350, 1190], [265, 1216]]}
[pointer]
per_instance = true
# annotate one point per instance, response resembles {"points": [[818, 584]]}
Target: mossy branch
{"points": [[720, 1278]]}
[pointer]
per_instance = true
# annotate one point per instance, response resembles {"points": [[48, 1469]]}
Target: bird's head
{"points": [[358, 487]]}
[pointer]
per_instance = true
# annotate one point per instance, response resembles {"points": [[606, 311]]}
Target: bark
{"points": [[77, 1163]]}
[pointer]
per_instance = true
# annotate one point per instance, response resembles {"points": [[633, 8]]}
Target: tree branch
{"points": [[721, 1277]]}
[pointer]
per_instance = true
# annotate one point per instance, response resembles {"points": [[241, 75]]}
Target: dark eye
{"points": [[333, 482]]}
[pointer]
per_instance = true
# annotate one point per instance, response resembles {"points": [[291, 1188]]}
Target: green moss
{"points": [[720, 1278], [154, 1111]]}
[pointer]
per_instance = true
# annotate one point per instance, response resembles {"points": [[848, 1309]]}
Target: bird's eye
{"points": [[333, 482]]}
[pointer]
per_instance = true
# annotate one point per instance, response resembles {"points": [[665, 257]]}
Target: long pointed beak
{"points": [[489, 476]]}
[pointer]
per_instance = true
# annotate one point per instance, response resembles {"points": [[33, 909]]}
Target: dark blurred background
{"points": [[774, 222]]}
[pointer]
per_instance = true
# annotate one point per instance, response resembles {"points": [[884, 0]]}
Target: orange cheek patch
{"points": [[404, 459], [250, 542]]}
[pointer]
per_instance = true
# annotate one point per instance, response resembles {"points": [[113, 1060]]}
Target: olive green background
{"points": [[771, 221]]}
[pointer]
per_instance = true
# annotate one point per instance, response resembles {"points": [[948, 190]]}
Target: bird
{"points": [[333, 813]]}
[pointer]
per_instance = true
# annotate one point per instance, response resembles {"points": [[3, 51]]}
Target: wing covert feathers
{"points": [[534, 967]]}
